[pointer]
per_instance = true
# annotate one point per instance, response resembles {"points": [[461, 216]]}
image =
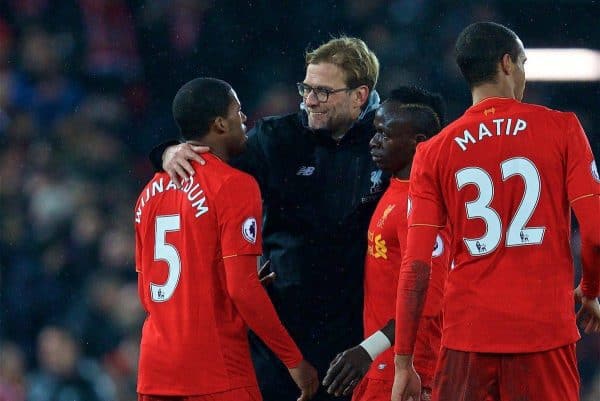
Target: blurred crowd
{"points": [[85, 92]]}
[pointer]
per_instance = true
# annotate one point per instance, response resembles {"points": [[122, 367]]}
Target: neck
{"points": [[484, 91], [216, 148], [340, 132], [402, 174]]}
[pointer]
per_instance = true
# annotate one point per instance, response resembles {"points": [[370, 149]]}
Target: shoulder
{"points": [[237, 181], [547, 113]]}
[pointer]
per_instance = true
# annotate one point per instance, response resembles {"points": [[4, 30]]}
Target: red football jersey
{"points": [[194, 340], [504, 175], [386, 242]]}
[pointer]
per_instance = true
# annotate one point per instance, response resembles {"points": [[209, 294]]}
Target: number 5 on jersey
{"points": [[517, 234], [167, 252]]}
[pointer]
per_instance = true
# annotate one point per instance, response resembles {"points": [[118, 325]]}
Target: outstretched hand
{"points": [[346, 370], [176, 161]]}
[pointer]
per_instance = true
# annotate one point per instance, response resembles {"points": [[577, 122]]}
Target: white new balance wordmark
{"points": [[304, 170]]}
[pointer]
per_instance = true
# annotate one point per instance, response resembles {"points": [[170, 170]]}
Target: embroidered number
{"points": [[167, 252], [517, 234]]}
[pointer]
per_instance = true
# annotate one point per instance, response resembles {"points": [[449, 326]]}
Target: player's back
{"points": [[507, 174], [193, 340]]}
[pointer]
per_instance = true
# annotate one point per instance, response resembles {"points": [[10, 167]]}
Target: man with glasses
{"points": [[319, 188]]}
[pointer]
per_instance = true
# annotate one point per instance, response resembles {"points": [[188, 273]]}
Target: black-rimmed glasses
{"points": [[322, 94]]}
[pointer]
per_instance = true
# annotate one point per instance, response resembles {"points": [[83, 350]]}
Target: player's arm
{"points": [[351, 365], [255, 307], [413, 282], [587, 210], [238, 212], [425, 220], [583, 187]]}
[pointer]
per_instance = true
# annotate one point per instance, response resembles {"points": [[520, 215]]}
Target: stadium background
{"points": [[85, 92]]}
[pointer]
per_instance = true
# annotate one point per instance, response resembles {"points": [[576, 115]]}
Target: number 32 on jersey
{"points": [[517, 234]]}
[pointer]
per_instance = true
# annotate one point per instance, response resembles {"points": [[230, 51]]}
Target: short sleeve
{"points": [[582, 170], [239, 214], [425, 196]]}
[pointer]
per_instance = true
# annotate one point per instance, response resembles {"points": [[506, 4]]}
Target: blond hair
{"points": [[353, 56]]}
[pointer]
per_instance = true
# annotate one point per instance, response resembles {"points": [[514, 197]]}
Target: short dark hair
{"points": [[422, 117], [197, 104], [411, 94], [480, 47]]}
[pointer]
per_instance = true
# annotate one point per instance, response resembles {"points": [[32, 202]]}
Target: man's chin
{"points": [[317, 124]]}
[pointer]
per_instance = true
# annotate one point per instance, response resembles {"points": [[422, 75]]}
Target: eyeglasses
{"points": [[322, 94]]}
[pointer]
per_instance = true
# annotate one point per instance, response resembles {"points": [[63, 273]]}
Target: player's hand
{"points": [[588, 315], [306, 378], [346, 370], [176, 161], [407, 384], [578, 294], [264, 275]]}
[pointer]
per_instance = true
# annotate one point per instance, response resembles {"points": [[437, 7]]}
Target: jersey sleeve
{"points": [[582, 171], [426, 200], [440, 265], [239, 214]]}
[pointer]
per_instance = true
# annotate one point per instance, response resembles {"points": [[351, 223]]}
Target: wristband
{"points": [[376, 344]]}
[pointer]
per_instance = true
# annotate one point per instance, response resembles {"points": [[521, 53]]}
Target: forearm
{"points": [[413, 281], [587, 211], [256, 308]]}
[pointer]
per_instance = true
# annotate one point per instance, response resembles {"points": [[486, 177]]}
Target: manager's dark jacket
{"points": [[318, 196]]}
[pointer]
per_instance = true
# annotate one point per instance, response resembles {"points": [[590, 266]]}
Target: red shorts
{"points": [[238, 394], [380, 390], [539, 376]]}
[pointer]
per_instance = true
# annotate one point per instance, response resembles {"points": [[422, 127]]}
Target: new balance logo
{"points": [[306, 171]]}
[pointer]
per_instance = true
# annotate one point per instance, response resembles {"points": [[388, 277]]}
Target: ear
{"points": [[420, 138], [506, 64], [220, 125], [361, 94]]}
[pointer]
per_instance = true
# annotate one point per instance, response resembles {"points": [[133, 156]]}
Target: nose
{"points": [[374, 142], [311, 99], [244, 118]]}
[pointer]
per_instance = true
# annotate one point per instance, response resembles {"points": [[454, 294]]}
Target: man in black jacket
{"points": [[319, 188]]}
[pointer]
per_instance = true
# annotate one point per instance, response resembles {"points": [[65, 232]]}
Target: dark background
{"points": [[85, 92]]}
